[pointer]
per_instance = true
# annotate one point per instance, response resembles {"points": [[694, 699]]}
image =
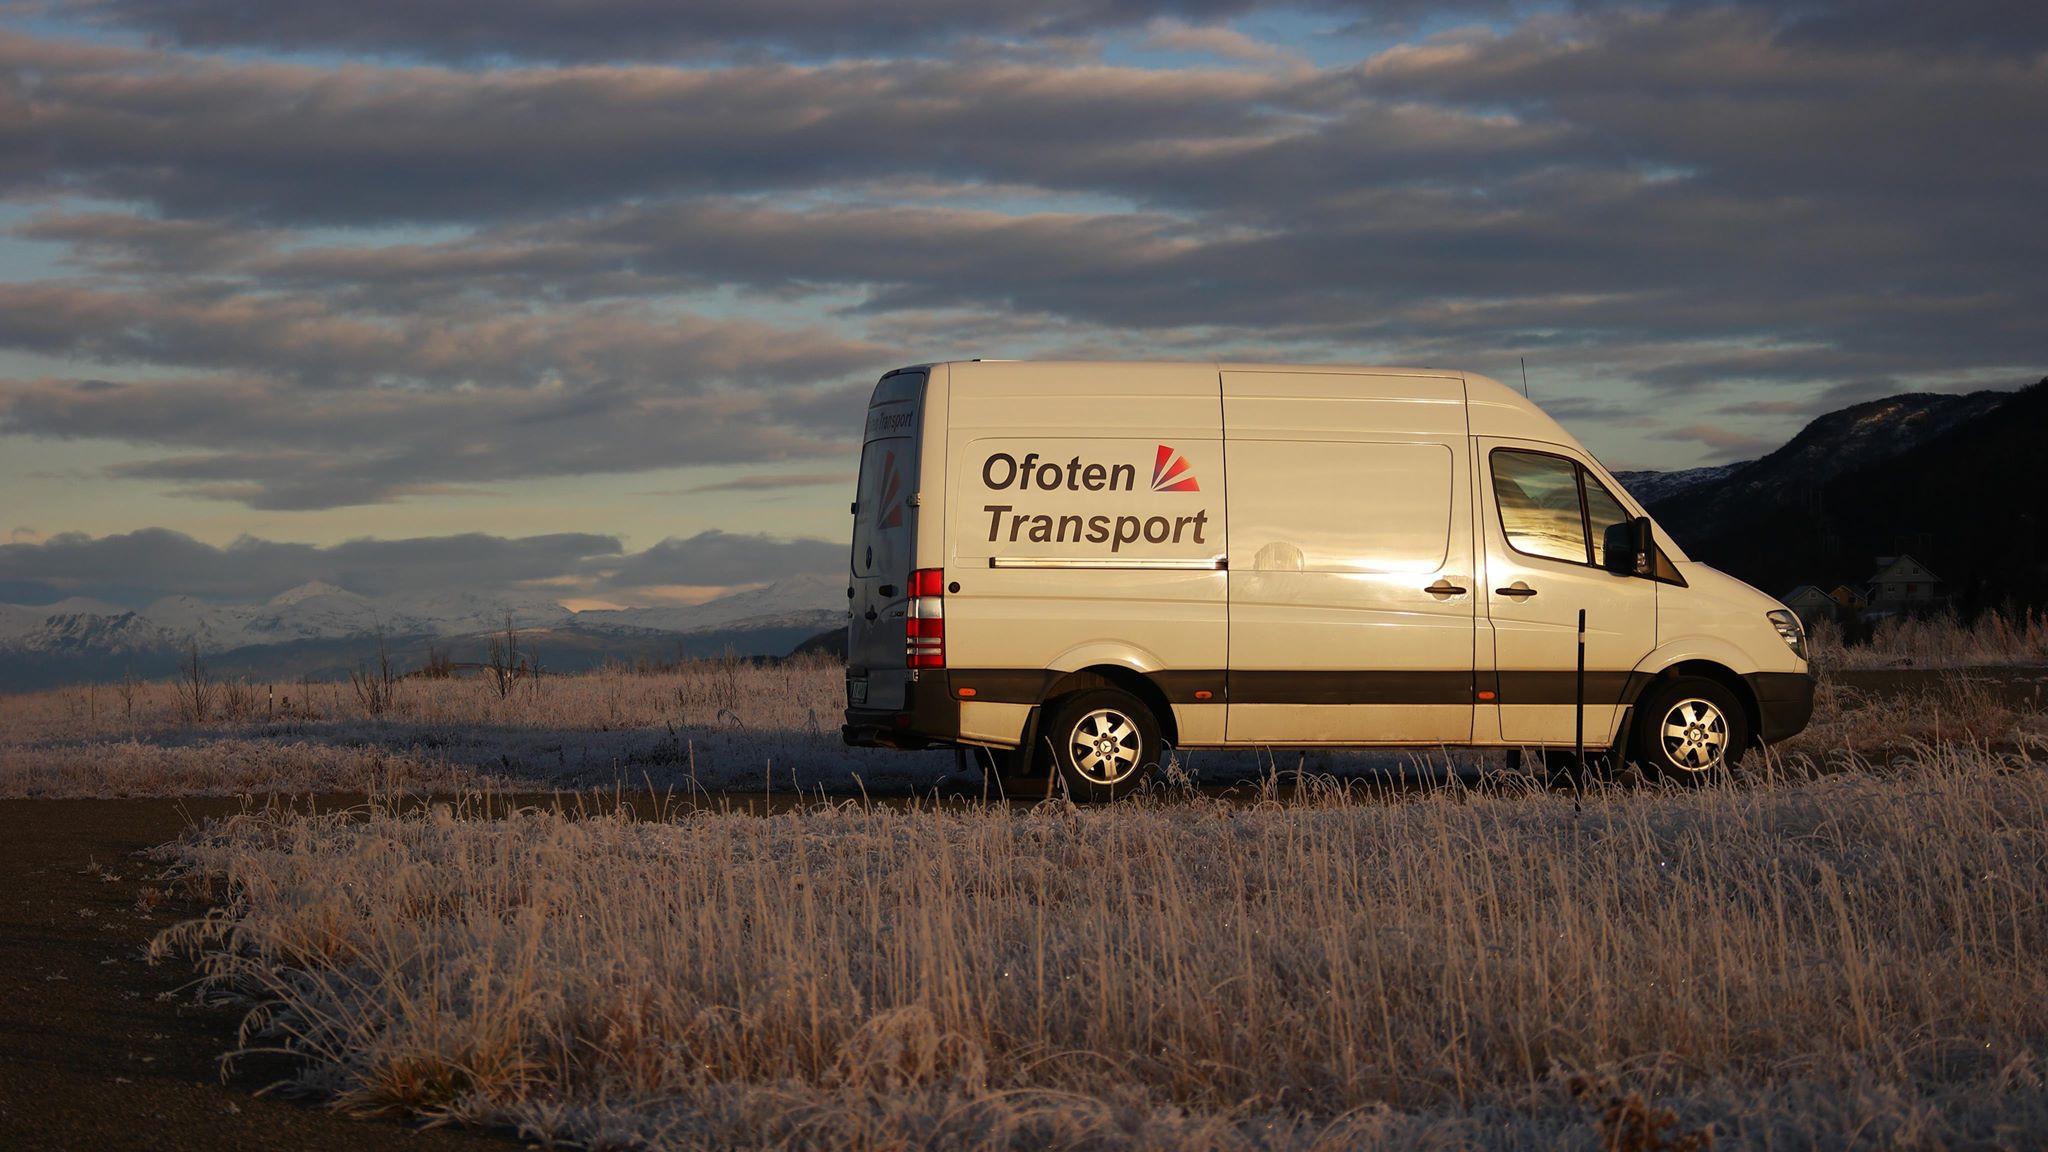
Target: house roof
{"points": [[1902, 567]]}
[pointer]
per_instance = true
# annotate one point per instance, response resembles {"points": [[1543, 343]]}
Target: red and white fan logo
{"points": [[892, 494], [1170, 472]]}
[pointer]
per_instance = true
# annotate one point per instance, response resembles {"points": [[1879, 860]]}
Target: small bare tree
{"points": [[440, 664], [196, 689], [503, 660], [373, 686]]}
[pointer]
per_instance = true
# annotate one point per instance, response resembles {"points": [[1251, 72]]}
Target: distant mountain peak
{"points": [[311, 589]]}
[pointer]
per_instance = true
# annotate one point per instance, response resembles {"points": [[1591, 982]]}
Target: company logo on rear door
{"points": [[892, 493], [1170, 472]]}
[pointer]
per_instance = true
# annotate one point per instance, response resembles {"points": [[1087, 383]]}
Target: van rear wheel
{"points": [[1105, 743], [1689, 729]]}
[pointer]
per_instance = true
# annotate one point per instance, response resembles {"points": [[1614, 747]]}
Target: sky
{"points": [[584, 299]]}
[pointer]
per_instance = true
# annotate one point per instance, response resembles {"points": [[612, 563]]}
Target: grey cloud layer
{"points": [[667, 29], [649, 29], [136, 568], [284, 448], [297, 142], [1666, 198], [725, 558]]}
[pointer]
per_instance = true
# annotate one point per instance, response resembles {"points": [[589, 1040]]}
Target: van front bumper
{"points": [[1784, 703], [930, 717]]}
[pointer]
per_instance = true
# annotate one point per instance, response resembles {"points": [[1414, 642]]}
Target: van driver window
{"points": [[1603, 511], [1539, 504]]}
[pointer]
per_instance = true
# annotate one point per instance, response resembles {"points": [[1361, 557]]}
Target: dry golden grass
{"points": [[733, 724], [1851, 725], [1938, 641], [1854, 960], [711, 724]]}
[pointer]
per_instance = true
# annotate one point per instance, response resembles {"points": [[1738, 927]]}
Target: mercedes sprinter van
{"points": [[1091, 561]]}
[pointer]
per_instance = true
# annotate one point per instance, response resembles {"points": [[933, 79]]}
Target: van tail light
{"points": [[924, 626]]}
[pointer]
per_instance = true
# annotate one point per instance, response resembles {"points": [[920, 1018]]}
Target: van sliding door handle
{"points": [[1518, 590], [1444, 588]]}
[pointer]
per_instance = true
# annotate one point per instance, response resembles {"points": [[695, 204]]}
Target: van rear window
{"points": [[882, 507]]}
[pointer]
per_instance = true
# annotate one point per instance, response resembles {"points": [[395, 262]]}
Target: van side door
{"points": [[1546, 513], [1351, 560]]}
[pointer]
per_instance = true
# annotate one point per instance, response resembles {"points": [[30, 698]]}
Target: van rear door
{"points": [[884, 533]]}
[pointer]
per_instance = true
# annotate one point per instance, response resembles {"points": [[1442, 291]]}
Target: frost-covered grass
{"points": [[711, 725], [1938, 641], [1854, 960]]}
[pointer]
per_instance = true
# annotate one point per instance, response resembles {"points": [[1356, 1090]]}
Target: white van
{"points": [[1090, 561]]}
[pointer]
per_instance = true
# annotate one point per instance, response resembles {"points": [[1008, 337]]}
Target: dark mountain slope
{"points": [[1957, 481], [1831, 445]]}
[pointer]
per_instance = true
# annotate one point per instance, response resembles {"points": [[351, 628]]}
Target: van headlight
{"points": [[1789, 629]]}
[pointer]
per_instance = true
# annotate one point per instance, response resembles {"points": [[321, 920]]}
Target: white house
{"points": [[1902, 584]]}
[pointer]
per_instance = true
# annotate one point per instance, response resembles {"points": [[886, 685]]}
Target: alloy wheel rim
{"points": [[1695, 735], [1104, 746]]}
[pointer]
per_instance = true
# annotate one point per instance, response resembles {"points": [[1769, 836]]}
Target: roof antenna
{"points": [[1525, 377]]}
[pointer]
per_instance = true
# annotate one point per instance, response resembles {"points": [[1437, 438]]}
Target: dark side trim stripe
{"points": [[1179, 686]]}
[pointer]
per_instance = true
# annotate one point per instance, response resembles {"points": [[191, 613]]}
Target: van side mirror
{"points": [[1627, 547]]}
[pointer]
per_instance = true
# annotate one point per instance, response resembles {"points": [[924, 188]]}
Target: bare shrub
{"points": [[237, 701], [505, 663], [196, 688], [374, 686], [440, 664]]}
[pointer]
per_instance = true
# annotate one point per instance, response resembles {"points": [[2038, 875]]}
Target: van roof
{"points": [[1492, 408], [1219, 365]]}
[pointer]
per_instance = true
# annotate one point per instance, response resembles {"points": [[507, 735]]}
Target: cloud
{"points": [[658, 30], [1215, 40], [716, 558], [242, 440], [135, 568], [308, 337], [298, 142], [635, 263], [770, 482], [626, 29], [1725, 443]]}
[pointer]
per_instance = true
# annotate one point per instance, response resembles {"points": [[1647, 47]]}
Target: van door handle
{"points": [[887, 589], [1518, 590], [1444, 588]]}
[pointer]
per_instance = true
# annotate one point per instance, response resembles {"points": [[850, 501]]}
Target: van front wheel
{"points": [[1104, 743], [1689, 729]]}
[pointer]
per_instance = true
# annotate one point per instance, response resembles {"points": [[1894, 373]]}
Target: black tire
{"points": [[1688, 729], [1115, 736]]}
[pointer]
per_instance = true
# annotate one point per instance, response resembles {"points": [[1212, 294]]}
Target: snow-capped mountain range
{"points": [[320, 611]]}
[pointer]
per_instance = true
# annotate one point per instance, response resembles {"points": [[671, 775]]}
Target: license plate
{"points": [[857, 690]]}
